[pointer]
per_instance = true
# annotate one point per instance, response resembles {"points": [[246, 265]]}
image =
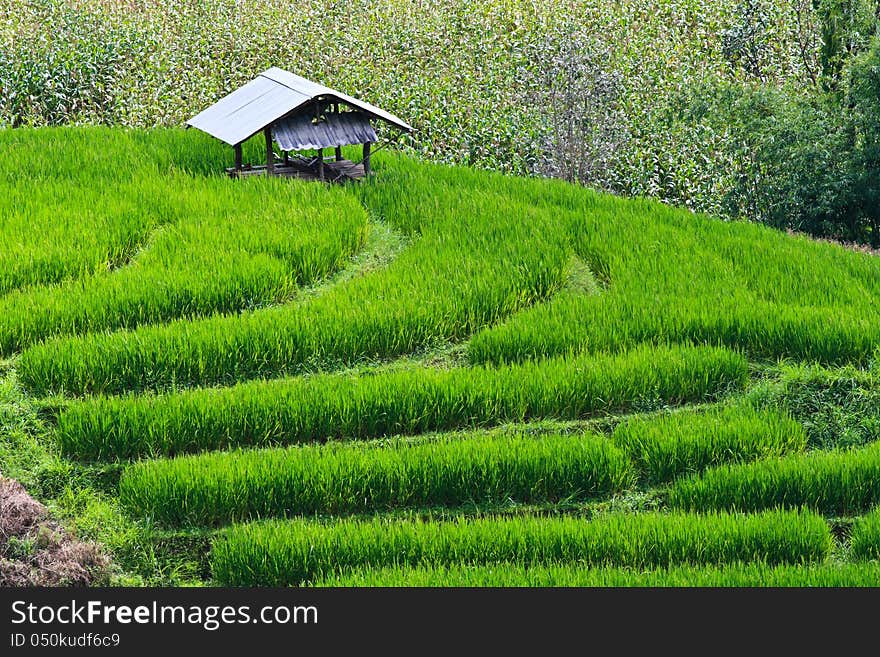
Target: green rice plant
{"points": [[489, 255], [70, 216], [218, 488], [568, 575], [675, 444], [473, 259], [834, 483], [838, 408], [189, 246], [395, 401], [865, 537], [296, 552], [678, 276]]}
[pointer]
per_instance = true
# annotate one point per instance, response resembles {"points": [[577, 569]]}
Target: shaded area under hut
{"points": [[299, 115]]}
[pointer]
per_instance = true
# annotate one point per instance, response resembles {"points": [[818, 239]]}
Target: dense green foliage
{"points": [[408, 401], [289, 553], [506, 574], [340, 479], [808, 163], [472, 78], [726, 107], [668, 446], [763, 109], [835, 482]]}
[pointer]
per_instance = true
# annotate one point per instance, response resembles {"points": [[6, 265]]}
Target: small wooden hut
{"points": [[298, 115]]}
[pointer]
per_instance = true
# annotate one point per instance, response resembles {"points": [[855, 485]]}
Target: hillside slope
{"points": [[587, 358]]}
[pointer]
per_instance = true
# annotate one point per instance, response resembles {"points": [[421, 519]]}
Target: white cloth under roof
{"points": [[303, 132]]}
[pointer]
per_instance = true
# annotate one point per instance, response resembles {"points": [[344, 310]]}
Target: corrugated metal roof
{"points": [[298, 132], [265, 99]]}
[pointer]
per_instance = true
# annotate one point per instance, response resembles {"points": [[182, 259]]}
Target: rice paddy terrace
{"points": [[438, 377]]}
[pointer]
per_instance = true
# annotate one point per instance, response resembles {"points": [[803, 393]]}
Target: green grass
{"points": [[834, 483], [227, 247], [676, 276], [491, 255], [92, 209], [472, 259], [517, 575], [865, 537], [350, 478], [295, 552], [395, 401], [837, 407], [671, 445]]}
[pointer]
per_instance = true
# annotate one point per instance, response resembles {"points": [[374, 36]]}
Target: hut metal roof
{"points": [[272, 95]]}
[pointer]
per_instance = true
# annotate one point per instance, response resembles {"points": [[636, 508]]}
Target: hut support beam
{"points": [[270, 156], [321, 164], [237, 149], [339, 153], [367, 158], [286, 158]]}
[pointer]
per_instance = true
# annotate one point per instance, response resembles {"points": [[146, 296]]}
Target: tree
{"points": [[863, 103]]}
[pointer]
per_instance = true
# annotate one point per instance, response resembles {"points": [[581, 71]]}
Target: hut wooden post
{"points": [[321, 164], [286, 158], [270, 156], [237, 149], [339, 153], [367, 158]]}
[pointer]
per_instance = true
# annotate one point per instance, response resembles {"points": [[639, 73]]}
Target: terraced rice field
{"points": [[438, 377]]}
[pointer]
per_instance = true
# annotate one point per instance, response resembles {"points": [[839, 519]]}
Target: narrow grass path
{"points": [[84, 497]]}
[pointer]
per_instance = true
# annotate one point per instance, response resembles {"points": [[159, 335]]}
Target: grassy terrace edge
{"points": [[541, 575], [346, 478], [408, 401], [835, 482], [669, 276], [491, 467], [296, 552]]}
